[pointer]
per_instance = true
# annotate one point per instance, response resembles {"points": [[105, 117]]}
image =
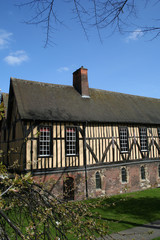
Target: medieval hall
{"points": [[79, 141]]}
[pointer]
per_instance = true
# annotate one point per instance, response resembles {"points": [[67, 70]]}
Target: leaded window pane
{"points": [[143, 174], [143, 138], [71, 141], [159, 170], [158, 130], [44, 141], [98, 180], [124, 174], [123, 136]]}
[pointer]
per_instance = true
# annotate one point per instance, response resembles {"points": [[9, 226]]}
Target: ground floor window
{"points": [[143, 174], [159, 170], [98, 180], [124, 174]]}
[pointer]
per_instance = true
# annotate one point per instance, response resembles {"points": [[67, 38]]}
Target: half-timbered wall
{"points": [[103, 144], [100, 141], [59, 158]]}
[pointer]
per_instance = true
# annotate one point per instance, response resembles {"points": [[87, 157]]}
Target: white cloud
{"points": [[135, 35], [16, 58], [63, 69], [4, 38]]}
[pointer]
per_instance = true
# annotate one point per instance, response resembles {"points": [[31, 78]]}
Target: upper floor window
{"points": [[143, 138], [143, 174], [124, 174], [71, 141], [158, 130], [123, 136], [45, 141], [98, 180]]}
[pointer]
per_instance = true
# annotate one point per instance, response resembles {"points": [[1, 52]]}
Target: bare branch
{"points": [[77, 4], [101, 14]]}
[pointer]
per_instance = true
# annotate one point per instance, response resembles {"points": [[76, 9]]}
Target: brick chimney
{"points": [[80, 81]]}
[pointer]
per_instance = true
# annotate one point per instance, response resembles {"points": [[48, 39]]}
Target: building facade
{"points": [[82, 142]]}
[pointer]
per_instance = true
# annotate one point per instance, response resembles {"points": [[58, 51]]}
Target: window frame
{"points": [[158, 132], [124, 178], [143, 149], [76, 144], [126, 140], [50, 142], [143, 178], [158, 170], [98, 180]]}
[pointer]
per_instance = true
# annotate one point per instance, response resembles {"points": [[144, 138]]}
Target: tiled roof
{"points": [[41, 101]]}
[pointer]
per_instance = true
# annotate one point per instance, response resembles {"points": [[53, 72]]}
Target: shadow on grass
{"points": [[145, 208], [131, 211], [131, 223]]}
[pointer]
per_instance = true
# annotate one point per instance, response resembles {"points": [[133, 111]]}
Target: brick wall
{"points": [[111, 180]]}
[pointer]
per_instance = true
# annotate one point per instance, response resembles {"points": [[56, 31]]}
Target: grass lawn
{"points": [[125, 210], [129, 210]]}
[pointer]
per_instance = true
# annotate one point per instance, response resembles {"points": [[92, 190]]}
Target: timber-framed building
{"points": [[81, 141]]}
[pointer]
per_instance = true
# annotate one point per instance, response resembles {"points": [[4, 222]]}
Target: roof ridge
{"points": [[69, 86], [120, 93], [37, 82]]}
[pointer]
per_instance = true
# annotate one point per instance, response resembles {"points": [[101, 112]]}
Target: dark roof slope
{"points": [[41, 101]]}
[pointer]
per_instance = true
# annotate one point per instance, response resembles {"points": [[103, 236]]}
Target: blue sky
{"points": [[127, 63]]}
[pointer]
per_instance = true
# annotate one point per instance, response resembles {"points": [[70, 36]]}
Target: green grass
{"points": [[129, 210], [125, 211]]}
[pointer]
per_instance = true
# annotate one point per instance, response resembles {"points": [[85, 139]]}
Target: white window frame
{"points": [[71, 141], [123, 138], [143, 139], [44, 141]]}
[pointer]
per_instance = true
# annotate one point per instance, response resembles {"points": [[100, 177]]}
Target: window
{"points": [[124, 174], [98, 180], [45, 141], [158, 130], [143, 174], [143, 138], [71, 141], [123, 136], [159, 170]]}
